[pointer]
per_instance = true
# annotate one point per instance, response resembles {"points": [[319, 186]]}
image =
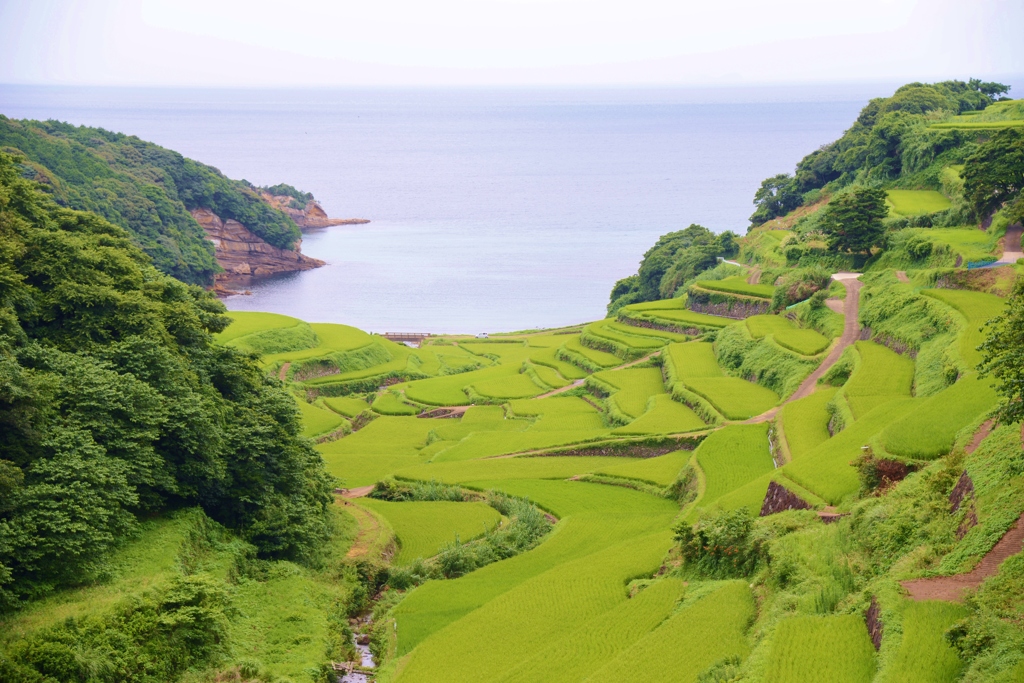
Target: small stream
{"points": [[365, 658]]}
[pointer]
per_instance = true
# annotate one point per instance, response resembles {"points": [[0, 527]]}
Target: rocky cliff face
{"points": [[240, 253], [313, 216]]}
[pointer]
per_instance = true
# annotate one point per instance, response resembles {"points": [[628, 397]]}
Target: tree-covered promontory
{"points": [[115, 405], [144, 188]]}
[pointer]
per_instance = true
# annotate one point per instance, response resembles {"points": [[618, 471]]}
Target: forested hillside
{"points": [[906, 185], [115, 406], [144, 188]]}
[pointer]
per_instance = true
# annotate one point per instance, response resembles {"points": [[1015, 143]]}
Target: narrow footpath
{"points": [[1011, 246], [952, 588]]}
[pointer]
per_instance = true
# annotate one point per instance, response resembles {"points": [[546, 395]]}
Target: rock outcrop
{"points": [[241, 253], [312, 216]]}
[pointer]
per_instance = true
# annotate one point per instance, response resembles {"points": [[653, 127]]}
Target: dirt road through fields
{"points": [[851, 330]]}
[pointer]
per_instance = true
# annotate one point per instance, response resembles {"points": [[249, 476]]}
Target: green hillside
{"points": [[144, 188]]}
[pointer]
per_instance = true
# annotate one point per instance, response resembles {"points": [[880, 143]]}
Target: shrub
{"points": [[721, 544]]}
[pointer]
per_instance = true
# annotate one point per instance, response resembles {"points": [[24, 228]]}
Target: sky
{"points": [[320, 43]]}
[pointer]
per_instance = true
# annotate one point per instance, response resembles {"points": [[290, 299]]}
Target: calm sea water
{"points": [[491, 210]]}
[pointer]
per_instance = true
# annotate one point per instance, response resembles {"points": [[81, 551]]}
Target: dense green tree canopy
{"points": [[676, 257], [994, 175], [144, 188], [1003, 359], [852, 222], [114, 402], [776, 197]]}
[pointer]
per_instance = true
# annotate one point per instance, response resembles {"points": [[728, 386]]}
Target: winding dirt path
{"points": [[1011, 246], [1012, 249], [562, 390], [284, 371], [358, 492], [851, 330], [369, 530], [901, 275], [952, 588]]}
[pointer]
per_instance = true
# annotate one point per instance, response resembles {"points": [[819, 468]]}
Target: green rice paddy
{"points": [[969, 243], [805, 422], [732, 457], [738, 285], [882, 376], [663, 416], [929, 430], [924, 655], [916, 202], [635, 387], [247, 322], [735, 398], [316, 420], [423, 527], [977, 308], [815, 649], [806, 342]]}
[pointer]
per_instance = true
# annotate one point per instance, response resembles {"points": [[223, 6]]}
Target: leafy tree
{"points": [[776, 197], [721, 543], [994, 174], [852, 222], [676, 257], [1002, 357]]}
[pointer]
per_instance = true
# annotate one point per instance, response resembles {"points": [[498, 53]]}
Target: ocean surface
{"points": [[491, 210]]}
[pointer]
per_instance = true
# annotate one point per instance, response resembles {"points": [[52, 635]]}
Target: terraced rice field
{"points": [[928, 431], [826, 470], [331, 338], [620, 334], [732, 457], [345, 405], [569, 608], [378, 449], [738, 285], [662, 470], [805, 422], [663, 416], [694, 359], [423, 527], [606, 535], [599, 358], [924, 655], [735, 398], [977, 308], [881, 376], [806, 342], [636, 386], [677, 315], [247, 322], [389, 403], [316, 420], [815, 649], [916, 202], [969, 243]]}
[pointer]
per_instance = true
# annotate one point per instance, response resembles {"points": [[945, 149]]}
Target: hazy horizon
{"points": [[502, 43]]}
